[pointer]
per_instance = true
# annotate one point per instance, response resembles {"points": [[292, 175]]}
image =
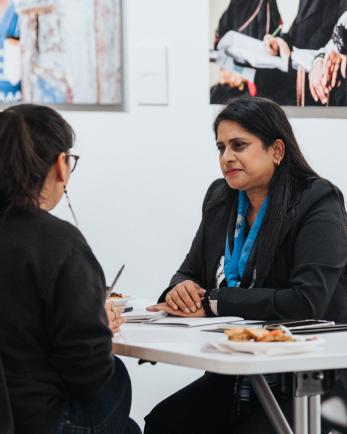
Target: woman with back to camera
{"points": [[272, 244], [55, 341]]}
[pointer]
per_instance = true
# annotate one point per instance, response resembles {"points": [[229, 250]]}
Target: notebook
{"points": [[162, 318]]}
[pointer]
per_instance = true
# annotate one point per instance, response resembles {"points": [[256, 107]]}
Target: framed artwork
{"points": [[292, 51], [65, 52]]}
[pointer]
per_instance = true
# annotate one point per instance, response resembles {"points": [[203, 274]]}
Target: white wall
{"points": [[142, 176]]}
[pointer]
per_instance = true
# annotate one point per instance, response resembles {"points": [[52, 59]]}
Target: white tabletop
{"points": [[183, 346]]}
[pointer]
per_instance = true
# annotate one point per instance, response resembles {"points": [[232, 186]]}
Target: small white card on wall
{"points": [[152, 77]]}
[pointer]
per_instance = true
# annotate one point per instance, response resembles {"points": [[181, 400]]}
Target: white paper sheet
{"points": [[303, 58], [245, 49]]}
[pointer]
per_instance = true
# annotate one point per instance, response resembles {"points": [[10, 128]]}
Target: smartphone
{"points": [[303, 324]]}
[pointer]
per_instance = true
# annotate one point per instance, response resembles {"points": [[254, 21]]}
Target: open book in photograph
{"points": [[248, 51]]}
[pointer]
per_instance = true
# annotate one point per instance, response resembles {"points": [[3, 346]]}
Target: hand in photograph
{"points": [[333, 62], [318, 91], [275, 46], [199, 313], [114, 317], [271, 45], [232, 79]]}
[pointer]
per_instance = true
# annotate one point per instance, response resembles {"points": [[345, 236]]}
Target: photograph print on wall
{"points": [[292, 51]]}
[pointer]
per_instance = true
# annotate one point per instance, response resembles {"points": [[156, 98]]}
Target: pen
{"points": [[276, 32], [109, 290], [128, 309]]}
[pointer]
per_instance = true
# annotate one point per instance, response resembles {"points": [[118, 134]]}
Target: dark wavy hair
{"points": [[266, 120], [31, 138]]}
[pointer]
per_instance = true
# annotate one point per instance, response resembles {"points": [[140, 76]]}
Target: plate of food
{"points": [[259, 340], [118, 298]]}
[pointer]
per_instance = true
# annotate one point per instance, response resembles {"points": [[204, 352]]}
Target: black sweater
{"points": [[54, 339], [306, 278]]}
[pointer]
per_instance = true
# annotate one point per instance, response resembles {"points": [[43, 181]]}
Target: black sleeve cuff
{"points": [[206, 304], [320, 55]]}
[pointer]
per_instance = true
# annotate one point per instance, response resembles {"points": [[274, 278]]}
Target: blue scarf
{"points": [[235, 263]]}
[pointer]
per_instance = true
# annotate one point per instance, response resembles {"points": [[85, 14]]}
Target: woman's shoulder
{"points": [[217, 192], [320, 187], [320, 192], [54, 230]]}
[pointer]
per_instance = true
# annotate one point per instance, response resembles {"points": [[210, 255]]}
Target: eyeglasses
{"points": [[75, 159]]}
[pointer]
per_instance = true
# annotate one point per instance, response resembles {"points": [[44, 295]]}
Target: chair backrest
{"points": [[6, 419]]}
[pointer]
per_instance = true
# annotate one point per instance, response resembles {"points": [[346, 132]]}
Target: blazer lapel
{"points": [[217, 220]]}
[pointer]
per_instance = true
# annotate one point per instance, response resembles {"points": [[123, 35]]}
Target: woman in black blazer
{"points": [[291, 260]]}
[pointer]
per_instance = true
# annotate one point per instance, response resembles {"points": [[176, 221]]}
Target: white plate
{"points": [[302, 344], [119, 301]]}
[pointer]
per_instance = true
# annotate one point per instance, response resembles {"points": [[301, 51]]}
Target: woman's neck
{"points": [[256, 198]]}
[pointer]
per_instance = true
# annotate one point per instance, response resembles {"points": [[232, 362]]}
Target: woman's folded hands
{"points": [[183, 300]]}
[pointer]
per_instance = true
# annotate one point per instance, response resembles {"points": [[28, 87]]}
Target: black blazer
{"points": [[314, 24], [238, 13], [307, 277]]}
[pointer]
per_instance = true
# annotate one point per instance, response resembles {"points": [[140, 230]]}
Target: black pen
{"points": [[109, 290], [128, 309]]}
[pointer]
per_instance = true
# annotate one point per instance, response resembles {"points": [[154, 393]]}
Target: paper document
{"points": [[247, 50], [303, 58], [161, 318], [194, 322], [142, 315], [226, 62]]}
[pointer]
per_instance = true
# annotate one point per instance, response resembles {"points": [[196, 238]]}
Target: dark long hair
{"points": [[31, 138], [266, 120]]}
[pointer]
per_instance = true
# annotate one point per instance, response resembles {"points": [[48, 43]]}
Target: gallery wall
{"points": [[139, 185]]}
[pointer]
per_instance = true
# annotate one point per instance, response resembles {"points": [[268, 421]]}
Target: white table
{"points": [[182, 346]]}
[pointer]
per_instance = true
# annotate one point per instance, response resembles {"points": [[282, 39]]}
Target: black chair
{"points": [[6, 419]]}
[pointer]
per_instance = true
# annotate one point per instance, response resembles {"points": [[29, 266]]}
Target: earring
{"points": [[277, 162]]}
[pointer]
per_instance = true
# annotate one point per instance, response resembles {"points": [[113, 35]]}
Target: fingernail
{"points": [[175, 307], [193, 309], [199, 306], [186, 310]]}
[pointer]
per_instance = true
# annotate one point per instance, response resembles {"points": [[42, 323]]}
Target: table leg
{"points": [[308, 386], [270, 404], [300, 415], [314, 403]]}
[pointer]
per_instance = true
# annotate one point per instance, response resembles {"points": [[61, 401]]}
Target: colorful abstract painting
{"points": [[60, 51]]}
